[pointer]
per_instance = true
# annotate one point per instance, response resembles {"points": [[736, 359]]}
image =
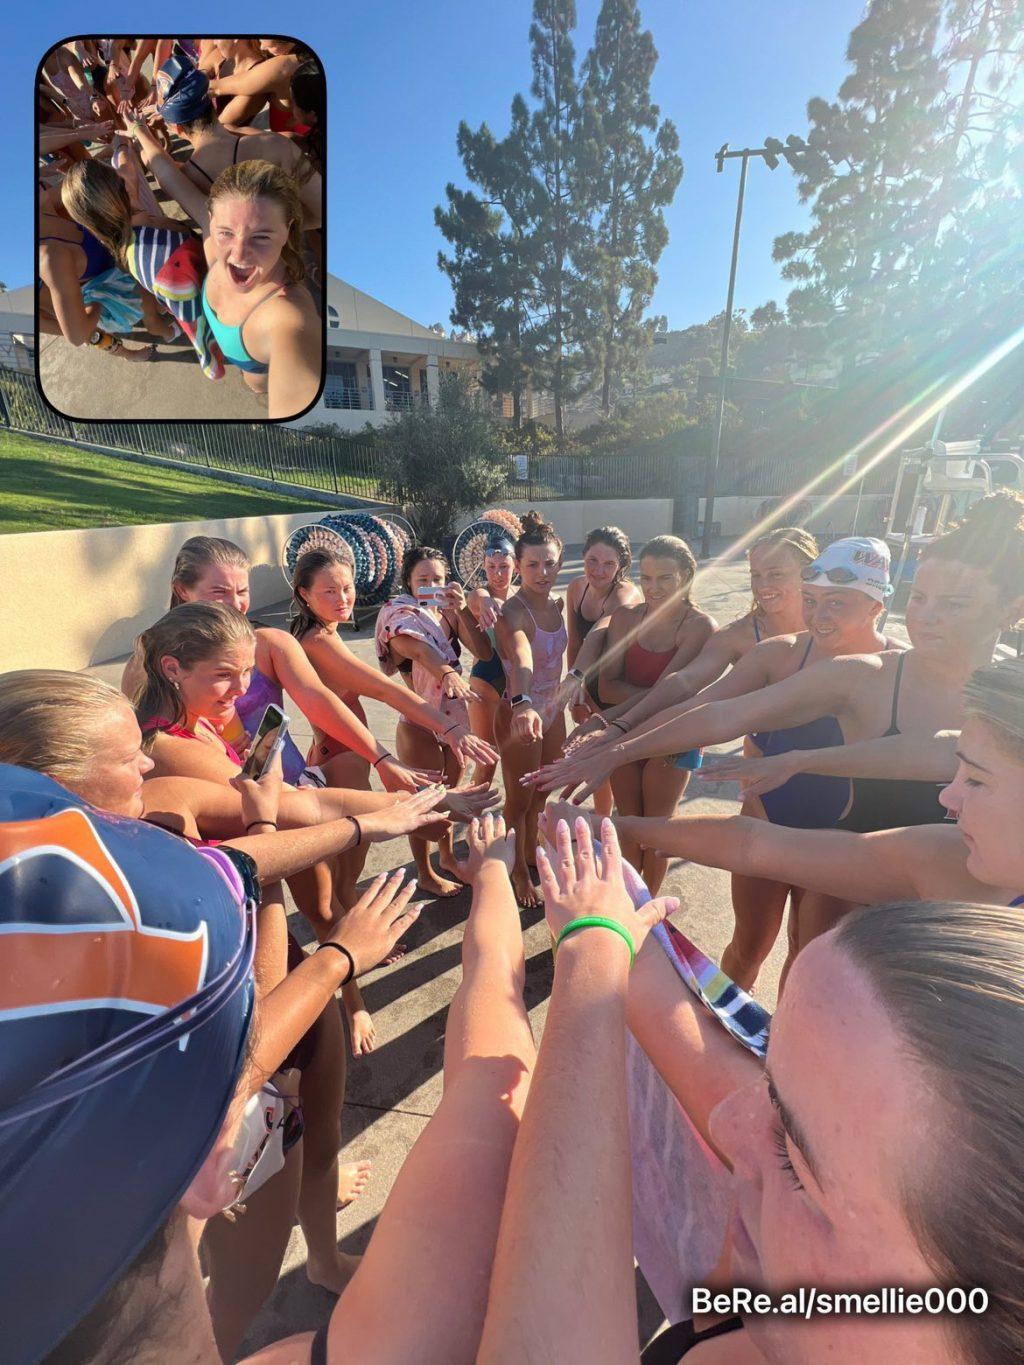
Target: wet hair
{"points": [[196, 125], [951, 980], [990, 536], [97, 198], [799, 542], [49, 720], [995, 694], [200, 553], [536, 531], [309, 96], [615, 540], [301, 617], [190, 633], [416, 555], [252, 180], [673, 547]]}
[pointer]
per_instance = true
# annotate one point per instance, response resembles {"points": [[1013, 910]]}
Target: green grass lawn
{"points": [[50, 487]]}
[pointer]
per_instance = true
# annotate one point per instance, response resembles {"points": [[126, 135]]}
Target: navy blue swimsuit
{"points": [[808, 800]]}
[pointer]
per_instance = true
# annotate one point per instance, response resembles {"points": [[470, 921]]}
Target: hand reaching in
{"points": [[579, 885], [379, 918], [488, 841]]}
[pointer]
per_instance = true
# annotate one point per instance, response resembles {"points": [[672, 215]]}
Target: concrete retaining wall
{"points": [[737, 515], [75, 598]]}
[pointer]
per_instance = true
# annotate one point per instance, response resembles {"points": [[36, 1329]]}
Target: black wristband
{"points": [[457, 726], [619, 726], [271, 823], [338, 947], [359, 831], [383, 756]]}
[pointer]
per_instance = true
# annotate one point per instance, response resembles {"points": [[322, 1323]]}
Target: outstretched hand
{"points": [[396, 776], [755, 775], [585, 885], [488, 841], [379, 918], [406, 816], [578, 775]]}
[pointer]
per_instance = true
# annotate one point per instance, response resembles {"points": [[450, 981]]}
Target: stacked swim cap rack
{"points": [[373, 542], [471, 543]]}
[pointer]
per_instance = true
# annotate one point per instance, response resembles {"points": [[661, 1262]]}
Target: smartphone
{"points": [[270, 736], [434, 595]]}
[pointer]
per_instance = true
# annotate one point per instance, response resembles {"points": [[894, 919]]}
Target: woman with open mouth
{"points": [[254, 301]]}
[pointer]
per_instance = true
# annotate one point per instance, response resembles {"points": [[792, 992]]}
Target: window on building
{"points": [[333, 319]]}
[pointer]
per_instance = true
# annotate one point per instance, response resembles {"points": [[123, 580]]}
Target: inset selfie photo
{"points": [[180, 228]]}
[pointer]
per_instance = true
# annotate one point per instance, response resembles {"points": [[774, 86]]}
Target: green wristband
{"points": [[598, 922]]}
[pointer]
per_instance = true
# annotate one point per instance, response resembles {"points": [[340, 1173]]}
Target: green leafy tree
{"points": [[628, 169], [443, 460]]}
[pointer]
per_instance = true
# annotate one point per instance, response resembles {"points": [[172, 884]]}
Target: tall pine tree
{"points": [[492, 268], [553, 132], [627, 170]]}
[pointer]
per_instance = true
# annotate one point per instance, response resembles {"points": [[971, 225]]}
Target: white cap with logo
{"points": [[859, 562]]}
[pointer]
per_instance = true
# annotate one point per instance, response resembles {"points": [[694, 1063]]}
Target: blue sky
{"points": [[401, 75]]}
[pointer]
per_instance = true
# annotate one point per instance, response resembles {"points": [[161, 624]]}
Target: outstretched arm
{"points": [[908, 757], [261, 79], [567, 1220], [172, 180], [295, 357]]}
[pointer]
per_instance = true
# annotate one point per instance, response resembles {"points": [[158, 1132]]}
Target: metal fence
{"points": [[349, 466], [278, 454]]}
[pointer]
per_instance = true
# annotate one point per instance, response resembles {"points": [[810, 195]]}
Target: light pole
{"points": [[769, 154]]}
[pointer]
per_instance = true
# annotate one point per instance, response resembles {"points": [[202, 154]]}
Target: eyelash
{"points": [[779, 1143], [971, 782]]}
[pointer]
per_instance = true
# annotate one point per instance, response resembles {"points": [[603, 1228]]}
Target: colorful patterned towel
{"points": [[171, 265], [118, 297], [681, 1191], [404, 616]]}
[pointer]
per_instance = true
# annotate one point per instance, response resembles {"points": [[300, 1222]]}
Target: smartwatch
{"points": [[521, 699], [576, 673]]}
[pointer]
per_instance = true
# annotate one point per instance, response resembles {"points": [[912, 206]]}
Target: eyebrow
{"points": [[971, 763], [793, 1130]]}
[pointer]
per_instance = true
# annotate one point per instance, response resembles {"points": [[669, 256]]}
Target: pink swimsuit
{"points": [[548, 648]]}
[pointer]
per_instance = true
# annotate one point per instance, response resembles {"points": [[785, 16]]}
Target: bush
{"points": [[443, 461]]}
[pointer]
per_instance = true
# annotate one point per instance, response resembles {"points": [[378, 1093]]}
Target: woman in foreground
{"points": [[933, 995]]}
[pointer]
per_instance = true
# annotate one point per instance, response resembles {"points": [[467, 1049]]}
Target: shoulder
{"points": [[289, 316], [627, 594], [574, 592]]}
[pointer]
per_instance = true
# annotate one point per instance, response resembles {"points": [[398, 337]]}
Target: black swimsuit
{"points": [[890, 803], [668, 1348], [205, 174], [584, 627]]}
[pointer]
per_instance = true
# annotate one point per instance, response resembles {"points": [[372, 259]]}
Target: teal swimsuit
{"points": [[230, 338]]}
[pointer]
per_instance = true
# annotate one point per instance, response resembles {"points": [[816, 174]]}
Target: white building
{"points": [[379, 361], [18, 329]]}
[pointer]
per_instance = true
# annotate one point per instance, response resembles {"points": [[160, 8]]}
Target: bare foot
{"points": [[364, 1035], [335, 1275], [526, 893], [136, 353], [165, 328], [397, 952], [452, 866], [352, 1181], [439, 887]]}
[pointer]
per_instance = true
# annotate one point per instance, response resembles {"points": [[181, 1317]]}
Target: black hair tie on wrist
{"points": [[271, 823], [359, 831], [383, 756], [340, 948]]}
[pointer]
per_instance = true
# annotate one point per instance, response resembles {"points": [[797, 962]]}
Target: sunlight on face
{"points": [[775, 579], [219, 583], [211, 688], [987, 796], [817, 1191], [115, 776], [953, 608], [661, 579], [840, 619], [248, 236], [499, 568], [331, 595]]}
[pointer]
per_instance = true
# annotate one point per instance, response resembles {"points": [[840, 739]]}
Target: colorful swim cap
{"points": [[125, 1001], [183, 90]]}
